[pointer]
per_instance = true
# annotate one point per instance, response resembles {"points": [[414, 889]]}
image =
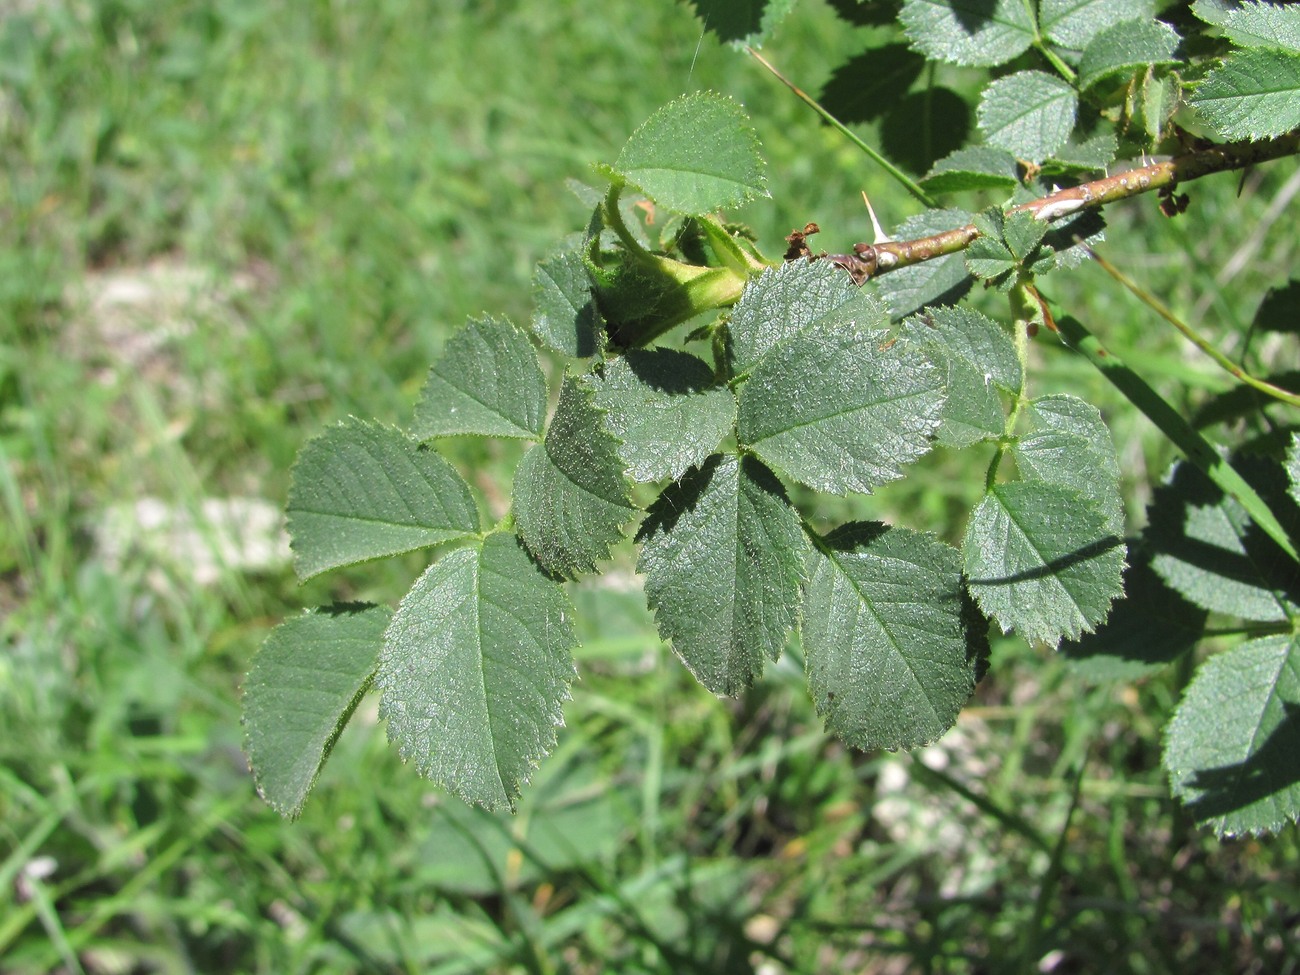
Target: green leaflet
{"points": [[362, 491], [841, 407], [1126, 47], [1074, 23], [980, 360], [892, 649], [565, 317], [1030, 114], [1253, 94], [304, 684], [1008, 243], [1206, 547], [665, 408], [1148, 629], [942, 281], [1214, 11], [971, 32], [488, 383], [475, 666], [1264, 25], [976, 168], [787, 299], [1071, 446], [722, 553], [1231, 748], [570, 497], [1040, 559], [695, 155]]}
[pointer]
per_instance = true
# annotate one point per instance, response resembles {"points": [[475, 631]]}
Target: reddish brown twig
{"points": [[869, 260]]}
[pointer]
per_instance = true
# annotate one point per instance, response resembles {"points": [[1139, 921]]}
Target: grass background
{"points": [[225, 225]]}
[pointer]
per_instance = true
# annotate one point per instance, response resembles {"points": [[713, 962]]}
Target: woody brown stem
{"points": [[870, 260]]}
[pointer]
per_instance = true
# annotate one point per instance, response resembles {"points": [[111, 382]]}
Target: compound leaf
{"points": [[304, 684], [488, 383], [1074, 23], [475, 666], [980, 360], [695, 155], [840, 407], [722, 553], [787, 299], [971, 32], [1253, 94], [1127, 47], [570, 496], [666, 409], [1029, 114], [1231, 747], [1041, 560], [361, 491], [891, 648]]}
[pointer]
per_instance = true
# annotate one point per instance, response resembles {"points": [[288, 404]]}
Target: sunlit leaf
{"points": [[1073, 23], [666, 409], [302, 689], [1253, 94], [475, 666], [974, 32], [981, 362], [1264, 25], [488, 382], [787, 299], [1071, 446], [1030, 114], [570, 496], [892, 652], [841, 407], [1127, 47], [565, 317], [722, 553], [975, 168], [941, 281], [696, 155], [1231, 749], [1040, 560], [362, 491]]}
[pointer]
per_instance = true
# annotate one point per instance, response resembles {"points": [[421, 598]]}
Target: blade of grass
{"points": [[1193, 336]]}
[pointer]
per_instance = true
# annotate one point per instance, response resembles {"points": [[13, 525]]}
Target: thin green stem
{"points": [[1173, 425], [1025, 316], [901, 177], [1054, 59], [1193, 336], [614, 221]]}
